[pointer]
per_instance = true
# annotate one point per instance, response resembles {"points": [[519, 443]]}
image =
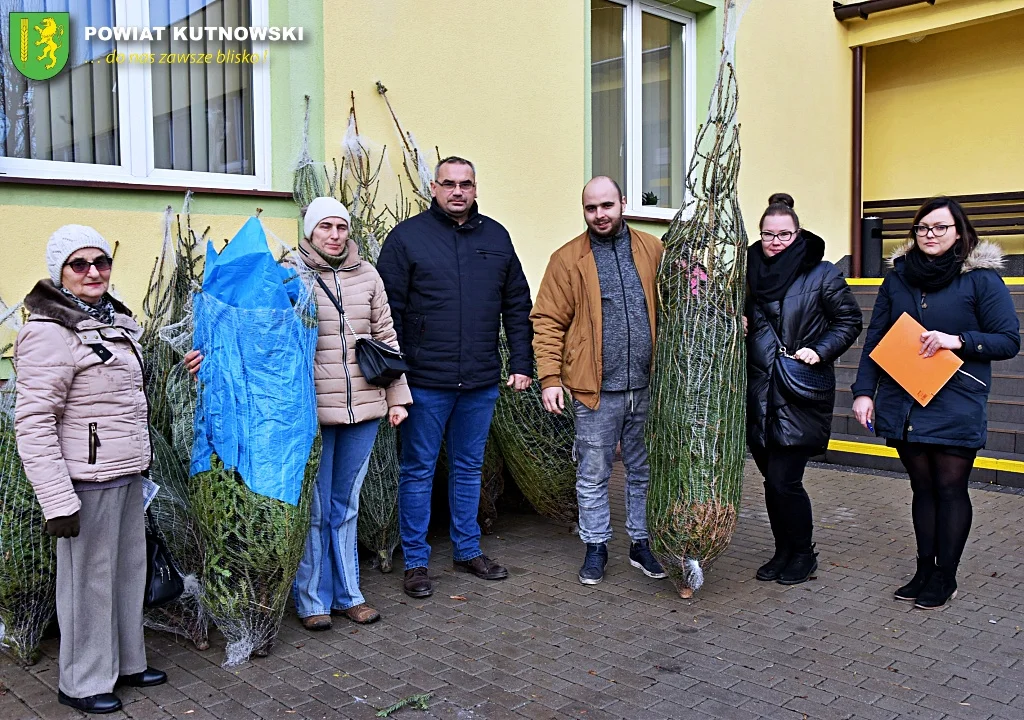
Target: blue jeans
{"points": [[462, 418], [328, 576], [619, 418]]}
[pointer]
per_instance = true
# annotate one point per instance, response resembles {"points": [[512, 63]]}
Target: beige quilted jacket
{"points": [[81, 414], [343, 396]]}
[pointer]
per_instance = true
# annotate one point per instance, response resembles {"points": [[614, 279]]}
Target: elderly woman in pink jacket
{"points": [[349, 409], [83, 436]]}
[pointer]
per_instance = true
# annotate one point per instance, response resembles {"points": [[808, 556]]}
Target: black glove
{"points": [[65, 526]]}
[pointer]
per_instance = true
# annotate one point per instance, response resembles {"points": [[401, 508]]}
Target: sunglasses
{"points": [[79, 266]]}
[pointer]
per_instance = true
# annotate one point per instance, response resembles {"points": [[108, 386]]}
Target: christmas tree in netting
{"points": [[537, 447], [28, 559], [167, 336], [696, 425]]}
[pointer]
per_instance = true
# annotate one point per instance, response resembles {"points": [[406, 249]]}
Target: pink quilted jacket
{"points": [[81, 413]]}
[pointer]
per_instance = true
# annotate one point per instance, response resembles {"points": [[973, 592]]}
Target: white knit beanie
{"points": [[320, 208], [67, 240]]}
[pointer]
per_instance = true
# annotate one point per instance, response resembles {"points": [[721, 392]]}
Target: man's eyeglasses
{"points": [[80, 266], [784, 236], [450, 185], [936, 230]]}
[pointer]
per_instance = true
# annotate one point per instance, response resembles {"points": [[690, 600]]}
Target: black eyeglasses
{"points": [[79, 266], [784, 236], [936, 230], [450, 185]]}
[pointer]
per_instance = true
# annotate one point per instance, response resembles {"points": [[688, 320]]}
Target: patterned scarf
{"points": [[103, 311]]}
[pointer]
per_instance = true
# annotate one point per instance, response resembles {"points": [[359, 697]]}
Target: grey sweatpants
{"points": [[101, 576]]}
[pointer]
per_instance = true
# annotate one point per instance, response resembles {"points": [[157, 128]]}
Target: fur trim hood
{"points": [[47, 302], [986, 255]]}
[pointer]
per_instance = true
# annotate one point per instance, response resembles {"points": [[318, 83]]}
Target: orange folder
{"points": [[898, 354]]}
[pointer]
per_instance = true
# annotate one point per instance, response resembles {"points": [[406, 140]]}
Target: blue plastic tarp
{"points": [[257, 405]]}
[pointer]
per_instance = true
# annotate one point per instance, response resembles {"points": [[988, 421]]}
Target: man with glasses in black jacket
{"points": [[453, 280]]}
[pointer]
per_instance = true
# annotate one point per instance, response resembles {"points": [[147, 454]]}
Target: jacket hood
{"points": [[47, 301], [986, 255], [314, 261]]}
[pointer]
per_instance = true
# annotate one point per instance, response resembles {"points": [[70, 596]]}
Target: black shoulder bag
{"points": [[798, 380], [163, 581], [380, 363]]}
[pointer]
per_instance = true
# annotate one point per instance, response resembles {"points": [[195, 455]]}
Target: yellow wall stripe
{"points": [[855, 282], [860, 448]]}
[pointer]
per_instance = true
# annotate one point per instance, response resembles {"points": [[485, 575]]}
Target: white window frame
{"points": [[633, 69], [138, 165]]}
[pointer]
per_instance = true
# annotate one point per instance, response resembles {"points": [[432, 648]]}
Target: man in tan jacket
{"points": [[593, 325]]}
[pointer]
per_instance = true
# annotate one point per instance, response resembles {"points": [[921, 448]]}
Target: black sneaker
{"points": [[940, 589], [592, 571], [910, 591], [640, 556]]}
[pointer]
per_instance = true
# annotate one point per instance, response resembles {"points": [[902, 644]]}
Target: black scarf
{"points": [[770, 277], [103, 311], [931, 275]]}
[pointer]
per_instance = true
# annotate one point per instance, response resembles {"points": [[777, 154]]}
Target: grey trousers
{"points": [[619, 418], [101, 576]]}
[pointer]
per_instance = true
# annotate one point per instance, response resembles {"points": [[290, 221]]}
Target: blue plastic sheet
{"points": [[257, 405]]}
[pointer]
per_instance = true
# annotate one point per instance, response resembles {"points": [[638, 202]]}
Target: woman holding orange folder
{"points": [[795, 299], [946, 279]]}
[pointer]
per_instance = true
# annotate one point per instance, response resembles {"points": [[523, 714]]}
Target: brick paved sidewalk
{"points": [[540, 645]]}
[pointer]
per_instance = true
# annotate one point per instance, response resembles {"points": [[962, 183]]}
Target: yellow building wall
{"points": [[945, 115], [795, 69], [500, 83]]}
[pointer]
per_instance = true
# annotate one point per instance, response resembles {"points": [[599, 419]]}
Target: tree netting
{"points": [[167, 336], [695, 429], [256, 446], [28, 560], [537, 447]]}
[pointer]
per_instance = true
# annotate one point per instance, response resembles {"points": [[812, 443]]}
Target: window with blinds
{"points": [[165, 123]]}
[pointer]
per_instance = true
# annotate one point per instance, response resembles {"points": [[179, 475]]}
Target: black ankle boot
{"points": [[910, 591], [940, 589], [771, 569], [801, 567]]}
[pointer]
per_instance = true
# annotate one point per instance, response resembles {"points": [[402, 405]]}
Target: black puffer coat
{"points": [[818, 312], [450, 288]]}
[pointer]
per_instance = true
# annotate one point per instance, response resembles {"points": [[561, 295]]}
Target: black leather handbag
{"points": [[163, 581], [800, 381], [380, 363]]}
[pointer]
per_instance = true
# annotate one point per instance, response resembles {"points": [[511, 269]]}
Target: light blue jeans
{"points": [[619, 418], [328, 576]]}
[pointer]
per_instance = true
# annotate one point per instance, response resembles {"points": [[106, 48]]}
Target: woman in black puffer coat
{"points": [[946, 280], [797, 297]]}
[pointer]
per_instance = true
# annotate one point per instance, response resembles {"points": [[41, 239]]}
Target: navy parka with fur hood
{"points": [[977, 306]]}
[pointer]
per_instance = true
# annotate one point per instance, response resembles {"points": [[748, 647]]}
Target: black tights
{"points": [[789, 507], [942, 507]]}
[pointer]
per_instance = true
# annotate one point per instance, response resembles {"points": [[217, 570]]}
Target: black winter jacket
{"points": [[818, 312], [450, 288], [977, 306]]}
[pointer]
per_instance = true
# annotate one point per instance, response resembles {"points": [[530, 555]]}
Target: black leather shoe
{"points": [[94, 704], [147, 678], [771, 569], [483, 567], [802, 566], [417, 583]]}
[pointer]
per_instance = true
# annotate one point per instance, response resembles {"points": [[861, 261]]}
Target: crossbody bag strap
{"points": [[337, 304], [768, 322]]}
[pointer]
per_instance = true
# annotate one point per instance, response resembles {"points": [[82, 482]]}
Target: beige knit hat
{"points": [[320, 208]]}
